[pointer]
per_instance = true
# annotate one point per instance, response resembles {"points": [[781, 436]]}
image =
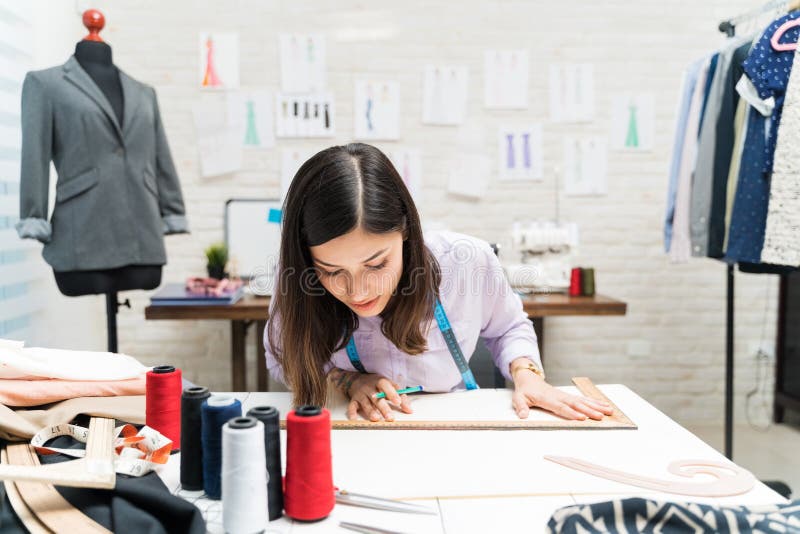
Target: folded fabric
{"points": [[17, 361], [22, 424], [37, 392], [135, 505], [645, 515]]}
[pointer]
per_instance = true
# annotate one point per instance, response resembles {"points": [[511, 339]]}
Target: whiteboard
{"points": [[253, 237]]}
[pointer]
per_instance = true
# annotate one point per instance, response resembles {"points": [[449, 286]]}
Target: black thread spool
{"points": [[191, 445], [272, 448]]}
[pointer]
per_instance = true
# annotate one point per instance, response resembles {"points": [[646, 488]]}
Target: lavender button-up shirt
{"points": [[478, 301]]}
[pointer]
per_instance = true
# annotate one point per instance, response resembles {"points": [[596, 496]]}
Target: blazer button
{"points": [[120, 151]]}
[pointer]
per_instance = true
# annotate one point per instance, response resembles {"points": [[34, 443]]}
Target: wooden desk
{"points": [[252, 310], [477, 479], [249, 310]]}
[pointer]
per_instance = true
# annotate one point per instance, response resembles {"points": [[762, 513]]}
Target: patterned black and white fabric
{"points": [[634, 515]]}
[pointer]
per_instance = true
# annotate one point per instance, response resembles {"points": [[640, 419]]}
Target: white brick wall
{"points": [[637, 45]]}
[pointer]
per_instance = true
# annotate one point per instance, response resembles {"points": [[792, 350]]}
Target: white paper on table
{"points": [[251, 116], [519, 152], [408, 163], [310, 115], [571, 92], [19, 362], [291, 161], [218, 65], [585, 166], [483, 404], [218, 143], [444, 95], [505, 76], [633, 122], [377, 110], [302, 62], [469, 177]]}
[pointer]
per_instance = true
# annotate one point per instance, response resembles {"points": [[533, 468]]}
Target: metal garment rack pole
{"points": [[728, 27], [729, 368]]}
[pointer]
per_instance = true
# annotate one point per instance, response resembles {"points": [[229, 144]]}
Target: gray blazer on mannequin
{"points": [[117, 192]]}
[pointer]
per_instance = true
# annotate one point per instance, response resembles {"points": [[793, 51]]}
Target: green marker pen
{"points": [[414, 389]]}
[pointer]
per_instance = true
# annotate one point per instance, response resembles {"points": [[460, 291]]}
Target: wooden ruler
{"points": [[24, 513], [45, 509], [618, 420], [95, 470]]}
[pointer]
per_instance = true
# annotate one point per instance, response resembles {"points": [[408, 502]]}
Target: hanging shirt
{"points": [[718, 110], [746, 235], [478, 301], [740, 132], [768, 70], [688, 84], [729, 125], [680, 244], [712, 70], [782, 234]]}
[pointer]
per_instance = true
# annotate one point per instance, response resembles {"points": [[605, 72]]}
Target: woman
{"points": [[366, 304]]}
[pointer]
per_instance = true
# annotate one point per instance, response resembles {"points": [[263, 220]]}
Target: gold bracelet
{"points": [[530, 367]]}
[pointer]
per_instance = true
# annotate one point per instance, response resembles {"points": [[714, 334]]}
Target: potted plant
{"points": [[217, 258]]}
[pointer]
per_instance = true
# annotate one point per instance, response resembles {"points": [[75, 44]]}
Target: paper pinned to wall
{"points": [[218, 66], [251, 115], [520, 153], [291, 161], [571, 92], [311, 115], [585, 166], [377, 110], [505, 76], [469, 177], [302, 63], [219, 144], [633, 122], [444, 99], [408, 163]]}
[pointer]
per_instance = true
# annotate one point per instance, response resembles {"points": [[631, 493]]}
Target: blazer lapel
{"points": [[75, 74], [132, 97]]}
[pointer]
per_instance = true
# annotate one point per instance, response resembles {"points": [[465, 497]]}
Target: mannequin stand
{"points": [[112, 308]]}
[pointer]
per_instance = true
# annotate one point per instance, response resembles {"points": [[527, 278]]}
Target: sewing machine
{"points": [[541, 256]]}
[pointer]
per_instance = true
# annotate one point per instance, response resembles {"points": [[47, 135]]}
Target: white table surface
{"points": [[487, 480]]}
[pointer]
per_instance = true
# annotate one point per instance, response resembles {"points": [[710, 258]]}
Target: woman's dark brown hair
{"points": [[336, 191]]}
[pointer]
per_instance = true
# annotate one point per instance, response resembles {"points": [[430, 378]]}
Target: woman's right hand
{"points": [[362, 393]]}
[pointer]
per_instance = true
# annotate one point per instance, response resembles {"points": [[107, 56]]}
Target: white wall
{"points": [[62, 322], [677, 311]]}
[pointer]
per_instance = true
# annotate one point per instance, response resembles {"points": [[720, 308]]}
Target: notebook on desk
{"points": [[177, 295]]}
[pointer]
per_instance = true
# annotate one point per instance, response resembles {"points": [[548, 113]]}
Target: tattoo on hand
{"points": [[343, 380]]}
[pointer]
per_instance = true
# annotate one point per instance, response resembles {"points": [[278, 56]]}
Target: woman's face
{"points": [[360, 269]]}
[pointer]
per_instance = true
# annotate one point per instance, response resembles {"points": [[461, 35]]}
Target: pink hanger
{"points": [[776, 37]]}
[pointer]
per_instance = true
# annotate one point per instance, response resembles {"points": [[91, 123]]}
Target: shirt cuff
{"points": [[175, 224], [514, 350], [32, 228]]}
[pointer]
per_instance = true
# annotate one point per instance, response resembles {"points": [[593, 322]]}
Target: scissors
{"points": [[366, 529], [377, 503]]}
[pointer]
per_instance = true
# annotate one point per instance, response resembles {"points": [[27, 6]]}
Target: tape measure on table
{"points": [[137, 452]]}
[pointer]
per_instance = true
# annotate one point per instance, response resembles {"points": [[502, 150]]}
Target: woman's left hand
{"points": [[530, 390]]}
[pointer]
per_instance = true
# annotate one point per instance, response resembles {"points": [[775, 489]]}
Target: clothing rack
{"points": [[728, 27]]}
